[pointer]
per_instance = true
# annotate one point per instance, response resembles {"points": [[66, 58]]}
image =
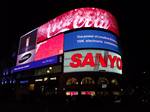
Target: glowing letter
{"points": [[76, 62], [119, 63], [112, 60], [101, 59], [88, 60]]}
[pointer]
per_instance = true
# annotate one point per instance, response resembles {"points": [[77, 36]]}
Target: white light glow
{"points": [[53, 78], [71, 93], [46, 78], [48, 71], [50, 68], [37, 80]]}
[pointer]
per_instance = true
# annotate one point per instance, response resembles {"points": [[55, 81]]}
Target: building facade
{"points": [[76, 53]]}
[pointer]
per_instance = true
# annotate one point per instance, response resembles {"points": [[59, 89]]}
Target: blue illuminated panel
{"points": [[40, 63], [24, 81], [90, 39]]}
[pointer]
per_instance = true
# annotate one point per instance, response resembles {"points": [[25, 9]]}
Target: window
{"points": [[103, 82], [71, 81], [87, 81]]}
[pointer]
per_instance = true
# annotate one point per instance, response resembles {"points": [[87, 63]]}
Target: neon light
{"points": [[92, 93], [68, 93], [71, 93]]}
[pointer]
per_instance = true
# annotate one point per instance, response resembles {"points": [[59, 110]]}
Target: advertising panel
{"points": [[50, 47], [27, 47], [92, 60], [90, 39], [78, 18], [27, 42], [26, 57], [40, 63]]}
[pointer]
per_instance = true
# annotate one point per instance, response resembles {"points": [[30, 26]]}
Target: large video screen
{"points": [[78, 18], [27, 47], [50, 47], [92, 60], [90, 39]]}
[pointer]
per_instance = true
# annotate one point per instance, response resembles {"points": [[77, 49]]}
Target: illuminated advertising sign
{"points": [[78, 18], [27, 42], [27, 47], [40, 63], [90, 39], [50, 47], [92, 60], [26, 57]]}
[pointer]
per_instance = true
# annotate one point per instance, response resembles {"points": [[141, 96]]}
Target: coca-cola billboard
{"points": [[78, 18]]}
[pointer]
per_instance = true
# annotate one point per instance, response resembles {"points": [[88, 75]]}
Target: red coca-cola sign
{"points": [[78, 18]]}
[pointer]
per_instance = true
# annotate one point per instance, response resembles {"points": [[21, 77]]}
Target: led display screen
{"points": [[92, 60], [26, 57], [41, 46], [50, 47], [27, 47], [90, 39], [27, 42], [78, 18]]}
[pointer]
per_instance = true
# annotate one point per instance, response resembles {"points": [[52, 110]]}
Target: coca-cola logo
{"points": [[78, 18]]}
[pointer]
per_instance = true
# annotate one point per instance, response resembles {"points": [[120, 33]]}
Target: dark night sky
{"points": [[133, 18]]}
